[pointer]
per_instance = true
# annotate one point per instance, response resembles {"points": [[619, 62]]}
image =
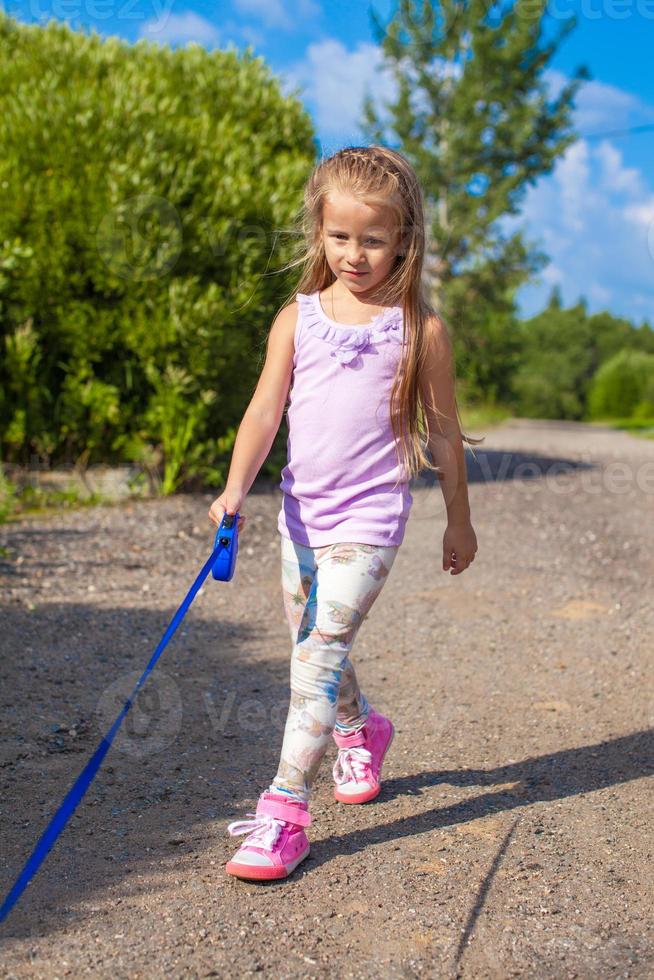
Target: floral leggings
{"points": [[327, 594]]}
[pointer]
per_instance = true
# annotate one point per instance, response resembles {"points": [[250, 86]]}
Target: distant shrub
{"points": [[623, 387]]}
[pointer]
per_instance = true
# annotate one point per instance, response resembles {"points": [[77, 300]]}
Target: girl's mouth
{"points": [[348, 273]]}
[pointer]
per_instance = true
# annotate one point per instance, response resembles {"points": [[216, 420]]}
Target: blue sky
{"points": [[593, 216]]}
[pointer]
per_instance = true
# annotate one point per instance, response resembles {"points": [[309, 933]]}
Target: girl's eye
{"points": [[374, 241]]}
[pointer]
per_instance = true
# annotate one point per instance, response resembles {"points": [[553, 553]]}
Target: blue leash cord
{"points": [[83, 781]]}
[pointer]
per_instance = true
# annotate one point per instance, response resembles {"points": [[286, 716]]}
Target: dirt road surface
{"points": [[513, 835]]}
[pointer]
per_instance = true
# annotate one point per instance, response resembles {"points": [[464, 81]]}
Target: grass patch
{"points": [[476, 419], [642, 427], [17, 503]]}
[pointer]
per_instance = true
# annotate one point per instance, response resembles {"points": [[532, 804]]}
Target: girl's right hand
{"points": [[227, 503]]}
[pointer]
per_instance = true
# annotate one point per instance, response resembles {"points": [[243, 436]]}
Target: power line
{"points": [[618, 132]]}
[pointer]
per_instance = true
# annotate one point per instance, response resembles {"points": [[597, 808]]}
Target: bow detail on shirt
{"points": [[349, 342], [357, 340]]}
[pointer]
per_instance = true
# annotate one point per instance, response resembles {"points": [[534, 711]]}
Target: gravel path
{"points": [[513, 835]]}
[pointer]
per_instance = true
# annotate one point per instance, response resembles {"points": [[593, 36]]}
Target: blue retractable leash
{"points": [[221, 563]]}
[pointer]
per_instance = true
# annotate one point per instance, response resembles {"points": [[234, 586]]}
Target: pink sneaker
{"points": [[277, 842], [358, 766]]}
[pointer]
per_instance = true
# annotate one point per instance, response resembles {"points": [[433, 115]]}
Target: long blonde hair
{"points": [[377, 175]]}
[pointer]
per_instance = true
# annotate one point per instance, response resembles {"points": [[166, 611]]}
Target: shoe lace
{"points": [[264, 829], [352, 765]]}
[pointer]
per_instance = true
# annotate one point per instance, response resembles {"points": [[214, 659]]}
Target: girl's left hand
{"points": [[459, 547]]}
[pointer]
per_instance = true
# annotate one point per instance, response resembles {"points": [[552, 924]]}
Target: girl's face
{"points": [[358, 238]]}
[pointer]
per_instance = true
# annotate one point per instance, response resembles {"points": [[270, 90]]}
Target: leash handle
{"points": [[85, 778], [227, 540]]}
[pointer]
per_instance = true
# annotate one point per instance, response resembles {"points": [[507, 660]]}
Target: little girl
{"points": [[367, 361]]}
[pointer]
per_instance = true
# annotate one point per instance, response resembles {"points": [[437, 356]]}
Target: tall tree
{"points": [[472, 114]]}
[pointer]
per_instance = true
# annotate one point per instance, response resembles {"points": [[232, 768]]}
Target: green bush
{"points": [[8, 491], [623, 387], [141, 194]]}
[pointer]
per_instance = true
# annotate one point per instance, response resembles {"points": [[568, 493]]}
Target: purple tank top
{"points": [[338, 483]]}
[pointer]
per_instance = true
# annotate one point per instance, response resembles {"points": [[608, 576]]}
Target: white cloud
{"points": [[599, 106], [333, 82], [641, 213], [614, 175], [599, 294], [180, 29], [553, 275], [280, 13], [571, 176], [592, 217]]}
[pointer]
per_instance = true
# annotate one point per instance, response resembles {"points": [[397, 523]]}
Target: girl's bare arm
{"points": [[445, 442], [262, 417]]}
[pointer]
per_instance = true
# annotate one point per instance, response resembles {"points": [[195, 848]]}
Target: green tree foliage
{"points": [[141, 190], [557, 364], [564, 354], [472, 114]]}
